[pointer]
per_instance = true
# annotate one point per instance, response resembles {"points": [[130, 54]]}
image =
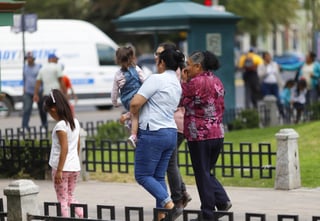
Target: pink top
{"points": [[203, 99]]}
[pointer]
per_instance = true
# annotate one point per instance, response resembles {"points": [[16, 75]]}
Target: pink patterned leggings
{"points": [[65, 191]]}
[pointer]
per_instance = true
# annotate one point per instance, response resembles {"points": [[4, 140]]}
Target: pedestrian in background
{"points": [[177, 187], [309, 70], [269, 74], [30, 72], [248, 64], [50, 76], [203, 99], [270, 78], [64, 156], [285, 100], [299, 98], [127, 81], [155, 103]]}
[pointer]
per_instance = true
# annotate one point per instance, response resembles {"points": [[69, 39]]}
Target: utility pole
{"points": [[23, 28], [315, 26]]}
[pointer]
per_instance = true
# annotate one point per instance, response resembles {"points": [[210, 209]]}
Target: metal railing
{"points": [[186, 215], [32, 156], [137, 213]]}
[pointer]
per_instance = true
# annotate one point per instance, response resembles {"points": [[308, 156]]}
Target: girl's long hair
{"points": [[58, 100]]}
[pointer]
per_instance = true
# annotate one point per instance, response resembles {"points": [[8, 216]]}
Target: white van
{"points": [[86, 53]]}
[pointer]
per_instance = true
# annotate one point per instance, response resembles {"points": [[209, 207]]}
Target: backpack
{"points": [[249, 64]]}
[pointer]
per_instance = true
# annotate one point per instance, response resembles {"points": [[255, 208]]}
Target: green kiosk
{"points": [[206, 28]]}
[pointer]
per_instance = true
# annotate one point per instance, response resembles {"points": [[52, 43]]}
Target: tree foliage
{"points": [[258, 16], [76, 9], [262, 16], [98, 12]]}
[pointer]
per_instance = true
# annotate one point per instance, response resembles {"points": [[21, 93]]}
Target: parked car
{"points": [[87, 54], [288, 58], [147, 63]]}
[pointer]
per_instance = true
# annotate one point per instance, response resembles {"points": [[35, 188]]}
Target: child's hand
{"points": [[124, 117], [58, 177]]}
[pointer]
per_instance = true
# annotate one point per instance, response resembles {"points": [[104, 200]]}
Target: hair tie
{"points": [[52, 97]]}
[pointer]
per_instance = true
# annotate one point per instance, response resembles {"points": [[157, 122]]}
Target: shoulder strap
{"points": [[134, 73]]}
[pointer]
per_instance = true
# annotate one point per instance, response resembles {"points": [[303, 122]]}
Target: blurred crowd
{"points": [[262, 76]]}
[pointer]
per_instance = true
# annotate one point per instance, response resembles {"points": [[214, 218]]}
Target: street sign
{"points": [[28, 24]]}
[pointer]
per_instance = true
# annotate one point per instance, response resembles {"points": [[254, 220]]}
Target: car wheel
{"points": [[104, 107], [5, 107]]}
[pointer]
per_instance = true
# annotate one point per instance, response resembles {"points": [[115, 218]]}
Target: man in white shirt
{"points": [[50, 76]]}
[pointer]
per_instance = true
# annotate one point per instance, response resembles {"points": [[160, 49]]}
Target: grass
{"points": [[309, 155], [309, 152]]}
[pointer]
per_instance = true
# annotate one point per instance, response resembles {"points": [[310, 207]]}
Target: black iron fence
{"points": [[32, 156], [40, 132], [244, 160], [3, 214], [137, 213], [263, 115], [27, 152], [24, 157]]}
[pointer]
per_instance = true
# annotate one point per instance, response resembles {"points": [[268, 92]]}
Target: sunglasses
{"points": [[156, 54]]}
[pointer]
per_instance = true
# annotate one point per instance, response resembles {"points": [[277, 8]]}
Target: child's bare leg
{"points": [[134, 124], [134, 129]]}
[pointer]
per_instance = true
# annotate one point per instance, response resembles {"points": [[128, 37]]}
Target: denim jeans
{"points": [[27, 110], [154, 149]]}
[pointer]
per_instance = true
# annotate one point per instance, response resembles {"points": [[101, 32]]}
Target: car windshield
{"points": [[147, 61], [105, 54]]}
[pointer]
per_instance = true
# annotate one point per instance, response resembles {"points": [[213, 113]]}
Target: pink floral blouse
{"points": [[203, 99]]}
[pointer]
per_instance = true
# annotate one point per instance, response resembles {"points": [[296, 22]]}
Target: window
{"points": [[106, 54]]}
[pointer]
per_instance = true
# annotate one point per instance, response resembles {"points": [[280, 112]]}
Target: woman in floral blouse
{"points": [[203, 99]]}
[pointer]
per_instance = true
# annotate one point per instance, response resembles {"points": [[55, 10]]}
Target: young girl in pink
{"points": [[64, 157]]}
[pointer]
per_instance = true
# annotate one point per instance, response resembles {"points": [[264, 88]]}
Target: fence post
{"points": [[82, 155], [271, 105], [288, 165], [21, 199]]}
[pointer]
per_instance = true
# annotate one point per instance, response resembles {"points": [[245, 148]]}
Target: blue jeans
{"points": [[154, 149], [270, 89], [27, 110]]}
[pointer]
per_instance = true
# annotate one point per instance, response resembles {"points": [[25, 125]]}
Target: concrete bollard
{"points": [[288, 165], [21, 199], [271, 104], [82, 155]]}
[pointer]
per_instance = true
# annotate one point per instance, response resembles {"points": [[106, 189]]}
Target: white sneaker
{"points": [[132, 140]]}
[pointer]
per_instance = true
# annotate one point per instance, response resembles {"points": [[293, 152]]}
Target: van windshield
{"points": [[106, 54]]}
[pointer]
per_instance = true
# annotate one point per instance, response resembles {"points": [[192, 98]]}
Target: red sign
{"points": [[208, 2]]}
